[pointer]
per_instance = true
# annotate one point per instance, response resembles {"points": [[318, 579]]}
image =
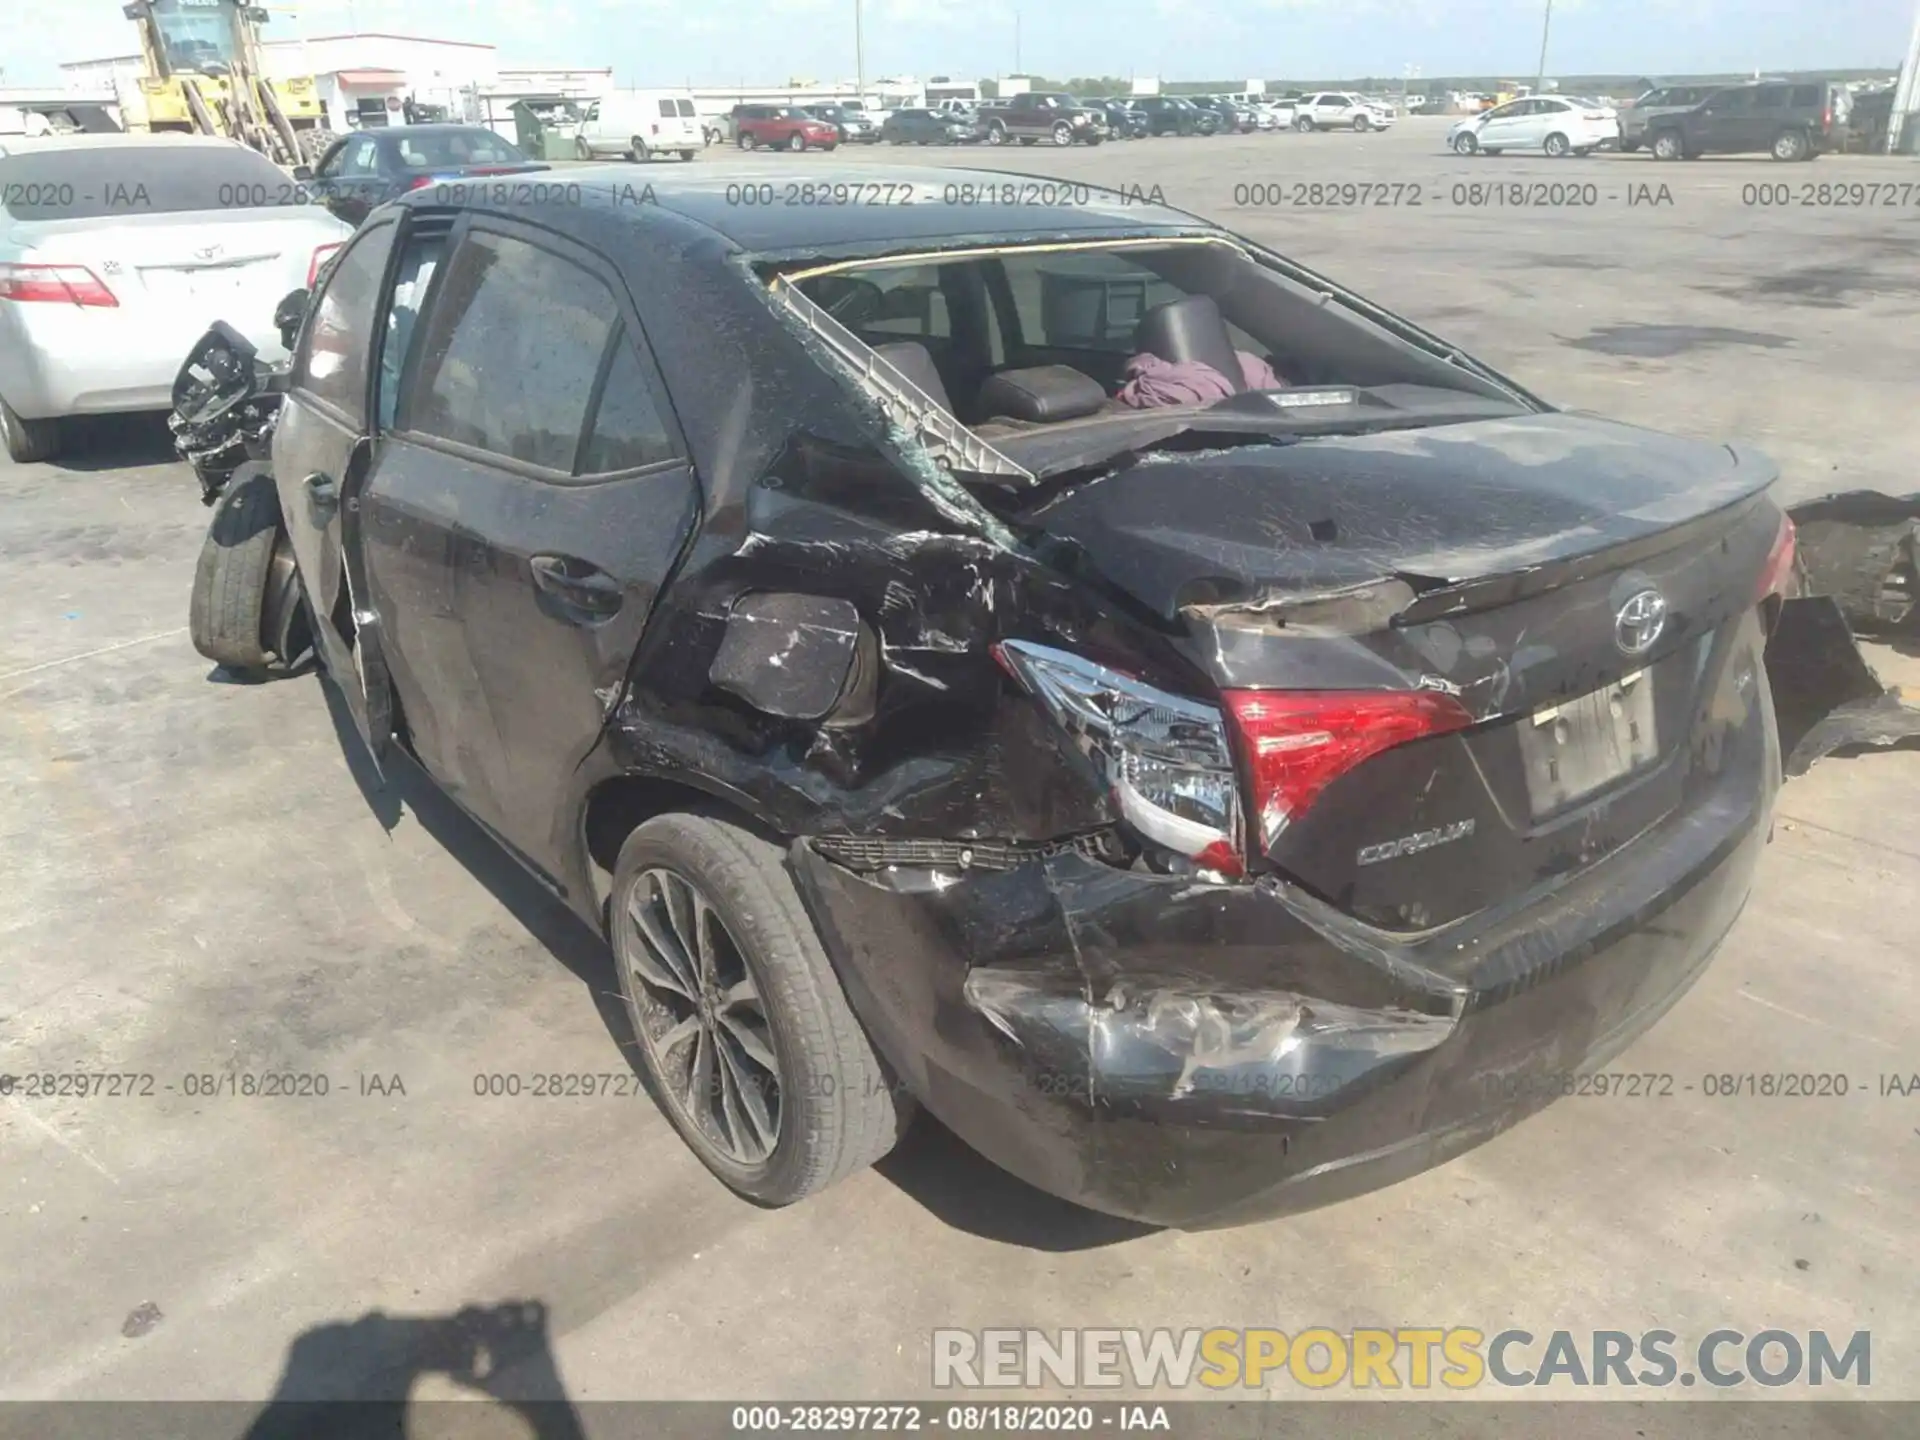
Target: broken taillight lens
{"points": [[1164, 759], [1776, 577], [1298, 742], [321, 256], [59, 284]]}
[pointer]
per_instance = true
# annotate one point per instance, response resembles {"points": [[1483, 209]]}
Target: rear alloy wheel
{"points": [[796, 142], [1063, 134], [1303, 124], [1557, 146], [246, 609], [1465, 143], [1790, 145], [746, 1037], [28, 441], [745, 142], [1667, 145], [639, 154]]}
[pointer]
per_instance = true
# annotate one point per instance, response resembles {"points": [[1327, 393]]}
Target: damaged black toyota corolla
{"points": [[1213, 744]]}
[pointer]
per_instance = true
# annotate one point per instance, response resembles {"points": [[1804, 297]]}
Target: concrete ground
{"points": [[201, 879]]}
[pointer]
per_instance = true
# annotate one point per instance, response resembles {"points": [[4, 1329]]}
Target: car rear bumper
{"points": [[58, 360], [1201, 1055]]}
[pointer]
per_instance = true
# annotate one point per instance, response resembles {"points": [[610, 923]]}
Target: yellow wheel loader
{"points": [[204, 76]]}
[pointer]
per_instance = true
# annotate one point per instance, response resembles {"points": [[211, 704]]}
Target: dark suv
{"points": [[1662, 100], [1787, 120], [782, 127], [1171, 115]]}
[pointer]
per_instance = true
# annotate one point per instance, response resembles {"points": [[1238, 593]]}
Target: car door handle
{"points": [[320, 490], [578, 585]]}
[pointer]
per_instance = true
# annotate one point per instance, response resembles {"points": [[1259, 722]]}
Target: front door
{"points": [[528, 502], [321, 447], [1726, 121]]}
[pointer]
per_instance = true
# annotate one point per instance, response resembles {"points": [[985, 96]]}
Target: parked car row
{"points": [[1789, 120], [1055, 118]]}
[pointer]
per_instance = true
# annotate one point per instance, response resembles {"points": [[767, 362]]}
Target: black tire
{"points": [[996, 134], [1466, 143], [28, 441], [1362, 123], [1791, 145], [581, 149], [840, 1109], [1063, 133], [639, 154], [226, 619], [1303, 123], [687, 156], [796, 142], [745, 142], [1557, 146], [1667, 145], [1629, 146]]}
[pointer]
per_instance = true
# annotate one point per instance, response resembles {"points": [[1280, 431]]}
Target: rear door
{"points": [[530, 500]]}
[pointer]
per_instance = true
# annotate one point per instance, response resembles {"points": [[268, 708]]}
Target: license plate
{"points": [[214, 282], [1578, 747]]}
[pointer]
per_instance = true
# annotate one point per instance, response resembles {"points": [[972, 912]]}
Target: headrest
{"points": [[915, 361], [1043, 394], [1188, 330]]}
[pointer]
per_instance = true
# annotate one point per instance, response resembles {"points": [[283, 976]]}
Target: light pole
{"points": [[1904, 90], [859, 59], [1546, 27], [1016, 43]]}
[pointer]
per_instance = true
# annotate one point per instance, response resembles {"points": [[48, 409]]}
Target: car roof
{"points": [[450, 127], [709, 196], [38, 143]]}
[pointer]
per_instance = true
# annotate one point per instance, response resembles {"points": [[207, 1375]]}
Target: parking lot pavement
{"points": [[203, 881]]}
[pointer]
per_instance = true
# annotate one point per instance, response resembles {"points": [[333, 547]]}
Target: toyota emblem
{"points": [[207, 252], [1640, 622]]}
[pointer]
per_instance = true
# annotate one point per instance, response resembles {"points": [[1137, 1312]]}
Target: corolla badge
{"points": [[1640, 622], [207, 252]]}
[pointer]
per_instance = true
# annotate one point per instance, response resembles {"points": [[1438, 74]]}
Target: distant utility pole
{"points": [[1905, 92], [1016, 42], [1540, 74], [859, 58]]}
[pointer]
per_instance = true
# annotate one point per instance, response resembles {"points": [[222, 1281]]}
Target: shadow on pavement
{"points": [[115, 442], [357, 1378]]}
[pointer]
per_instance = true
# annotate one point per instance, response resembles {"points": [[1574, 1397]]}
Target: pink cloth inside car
{"points": [[1152, 382]]}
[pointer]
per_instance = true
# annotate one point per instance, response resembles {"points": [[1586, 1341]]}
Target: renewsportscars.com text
{"points": [[1412, 1358]]}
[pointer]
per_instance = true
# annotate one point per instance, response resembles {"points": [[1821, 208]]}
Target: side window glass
{"points": [[330, 166], [666, 109], [512, 350], [333, 358], [418, 261], [1736, 102], [628, 430], [1772, 97]]}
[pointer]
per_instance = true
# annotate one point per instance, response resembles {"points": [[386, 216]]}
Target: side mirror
{"points": [[303, 172], [289, 315]]}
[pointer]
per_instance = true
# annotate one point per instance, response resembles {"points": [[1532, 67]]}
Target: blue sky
{"points": [[760, 41]]}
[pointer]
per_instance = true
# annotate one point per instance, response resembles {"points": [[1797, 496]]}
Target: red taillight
{"points": [[420, 182], [1298, 742], [1777, 576], [320, 258], [61, 284]]}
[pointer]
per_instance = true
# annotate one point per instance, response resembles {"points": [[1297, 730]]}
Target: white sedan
{"points": [[118, 251], [1555, 125]]}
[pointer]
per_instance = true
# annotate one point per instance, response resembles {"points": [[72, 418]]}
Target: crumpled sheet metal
{"points": [[1165, 1038]]}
